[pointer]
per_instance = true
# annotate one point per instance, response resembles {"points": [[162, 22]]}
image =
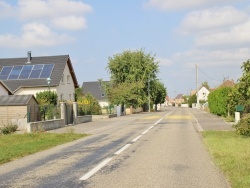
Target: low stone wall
{"points": [[83, 119], [45, 125], [98, 117]]}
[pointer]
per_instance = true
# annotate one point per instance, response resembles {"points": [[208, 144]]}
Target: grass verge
{"points": [[231, 152], [18, 145]]}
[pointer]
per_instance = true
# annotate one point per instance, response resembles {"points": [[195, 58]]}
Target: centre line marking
{"points": [[122, 149], [158, 122], [145, 132], [94, 170], [137, 138]]}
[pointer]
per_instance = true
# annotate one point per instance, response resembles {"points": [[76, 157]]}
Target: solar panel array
{"points": [[19, 72]]}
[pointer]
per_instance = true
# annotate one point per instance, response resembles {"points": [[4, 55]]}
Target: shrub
{"points": [[243, 127], [8, 129]]}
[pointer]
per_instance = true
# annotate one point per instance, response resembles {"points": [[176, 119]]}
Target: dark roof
{"points": [[59, 66], [95, 89], [227, 83], [15, 100]]}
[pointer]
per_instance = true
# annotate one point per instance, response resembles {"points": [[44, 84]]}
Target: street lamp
{"points": [[48, 82]]}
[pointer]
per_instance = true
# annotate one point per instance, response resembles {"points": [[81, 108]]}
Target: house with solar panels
{"points": [[29, 75]]}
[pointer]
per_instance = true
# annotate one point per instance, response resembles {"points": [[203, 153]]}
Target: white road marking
{"points": [[158, 122], [137, 138], [106, 161], [200, 129], [151, 127], [122, 149], [94, 170], [145, 132]]}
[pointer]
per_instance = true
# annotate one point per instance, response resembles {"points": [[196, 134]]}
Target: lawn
{"points": [[231, 152], [18, 145]]}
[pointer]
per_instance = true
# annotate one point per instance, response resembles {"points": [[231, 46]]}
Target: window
{"points": [[68, 79], [62, 79], [70, 97], [61, 96], [103, 95]]}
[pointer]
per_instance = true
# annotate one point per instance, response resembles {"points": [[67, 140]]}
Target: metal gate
{"points": [[69, 114]]}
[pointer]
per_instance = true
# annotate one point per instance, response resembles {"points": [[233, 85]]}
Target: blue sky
{"points": [[211, 33]]}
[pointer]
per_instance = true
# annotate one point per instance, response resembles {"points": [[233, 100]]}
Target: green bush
{"points": [[8, 129], [243, 127]]}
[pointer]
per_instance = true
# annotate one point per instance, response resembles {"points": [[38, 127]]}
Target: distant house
{"points": [[203, 93], [179, 99], [227, 83], [28, 75], [96, 89]]}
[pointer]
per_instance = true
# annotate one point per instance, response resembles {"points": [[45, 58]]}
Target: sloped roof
{"points": [[227, 83], [95, 89], [15, 100], [57, 72]]}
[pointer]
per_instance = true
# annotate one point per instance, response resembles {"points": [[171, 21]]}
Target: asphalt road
{"points": [[162, 149]]}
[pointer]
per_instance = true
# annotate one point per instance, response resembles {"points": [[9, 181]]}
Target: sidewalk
{"points": [[210, 121]]}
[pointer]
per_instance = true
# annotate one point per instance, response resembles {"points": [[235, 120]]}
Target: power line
{"points": [[209, 76]]}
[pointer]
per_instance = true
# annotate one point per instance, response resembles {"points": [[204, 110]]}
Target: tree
{"points": [[88, 105], [243, 87], [46, 97], [218, 101], [130, 72], [78, 93], [158, 93], [192, 99], [205, 84]]}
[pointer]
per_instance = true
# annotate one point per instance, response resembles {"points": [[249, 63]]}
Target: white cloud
{"points": [[49, 11], [213, 19], [235, 37], [180, 4], [164, 61], [70, 22], [212, 58], [34, 34], [6, 10]]}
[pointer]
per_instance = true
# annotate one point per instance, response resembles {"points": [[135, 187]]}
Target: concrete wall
{"points": [[83, 119], [45, 125]]}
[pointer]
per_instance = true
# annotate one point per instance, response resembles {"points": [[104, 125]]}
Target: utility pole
{"points": [[197, 103]]}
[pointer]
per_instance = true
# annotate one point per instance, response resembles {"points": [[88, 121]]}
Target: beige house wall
{"points": [[3, 90], [66, 88]]}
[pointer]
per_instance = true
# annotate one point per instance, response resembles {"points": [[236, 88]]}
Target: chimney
{"points": [[29, 57]]}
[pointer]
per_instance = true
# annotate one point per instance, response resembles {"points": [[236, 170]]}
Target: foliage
{"points": [[88, 105], [206, 85], [219, 101], [243, 87], [18, 145], [243, 127], [8, 129], [157, 93], [47, 97], [130, 72], [78, 93], [192, 99]]}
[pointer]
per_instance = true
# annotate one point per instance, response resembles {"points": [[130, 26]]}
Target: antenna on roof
{"points": [[29, 57]]}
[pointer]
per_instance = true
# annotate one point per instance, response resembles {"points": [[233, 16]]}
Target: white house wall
{"points": [[33, 91], [66, 89], [203, 94], [3, 91]]}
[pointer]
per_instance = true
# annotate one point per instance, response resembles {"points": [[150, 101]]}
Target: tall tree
{"points": [[130, 72], [243, 86], [158, 93]]}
